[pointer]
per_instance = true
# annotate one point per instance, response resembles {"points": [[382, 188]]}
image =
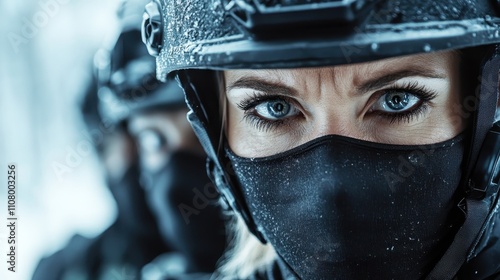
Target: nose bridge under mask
{"points": [[337, 204]]}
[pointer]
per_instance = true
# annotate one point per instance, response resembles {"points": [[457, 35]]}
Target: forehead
{"points": [[438, 63]]}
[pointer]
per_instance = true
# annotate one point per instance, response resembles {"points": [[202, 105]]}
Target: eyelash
{"points": [[424, 94], [260, 123]]}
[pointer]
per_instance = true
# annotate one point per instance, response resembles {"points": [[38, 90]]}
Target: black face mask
{"points": [[342, 208], [133, 211], [186, 206]]}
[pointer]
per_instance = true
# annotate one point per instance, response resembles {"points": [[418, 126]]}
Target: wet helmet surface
{"points": [[225, 34], [127, 83]]}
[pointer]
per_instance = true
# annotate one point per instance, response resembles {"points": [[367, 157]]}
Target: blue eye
{"points": [[396, 101], [275, 109]]}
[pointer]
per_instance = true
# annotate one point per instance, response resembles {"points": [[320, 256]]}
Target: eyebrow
{"points": [[263, 85], [387, 79]]}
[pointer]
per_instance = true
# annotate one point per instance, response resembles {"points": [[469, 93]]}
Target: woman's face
{"points": [[409, 100]]}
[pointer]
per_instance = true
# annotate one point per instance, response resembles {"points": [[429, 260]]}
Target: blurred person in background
{"points": [[133, 239], [155, 167], [171, 160]]}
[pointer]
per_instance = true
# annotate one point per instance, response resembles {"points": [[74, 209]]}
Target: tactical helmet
{"points": [[190, 38], [225, 34], [127, 80]]}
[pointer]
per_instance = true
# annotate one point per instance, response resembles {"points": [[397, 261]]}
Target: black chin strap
{"points": [[481, 177]]}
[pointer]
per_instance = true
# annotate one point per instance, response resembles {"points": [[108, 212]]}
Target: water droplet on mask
{"points": [[474, 35], [374, 47], [427, 48], [413, 159]]}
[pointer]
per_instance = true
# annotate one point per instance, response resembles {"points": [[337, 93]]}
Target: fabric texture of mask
{"points": [[186, 206], [342, 208]]}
